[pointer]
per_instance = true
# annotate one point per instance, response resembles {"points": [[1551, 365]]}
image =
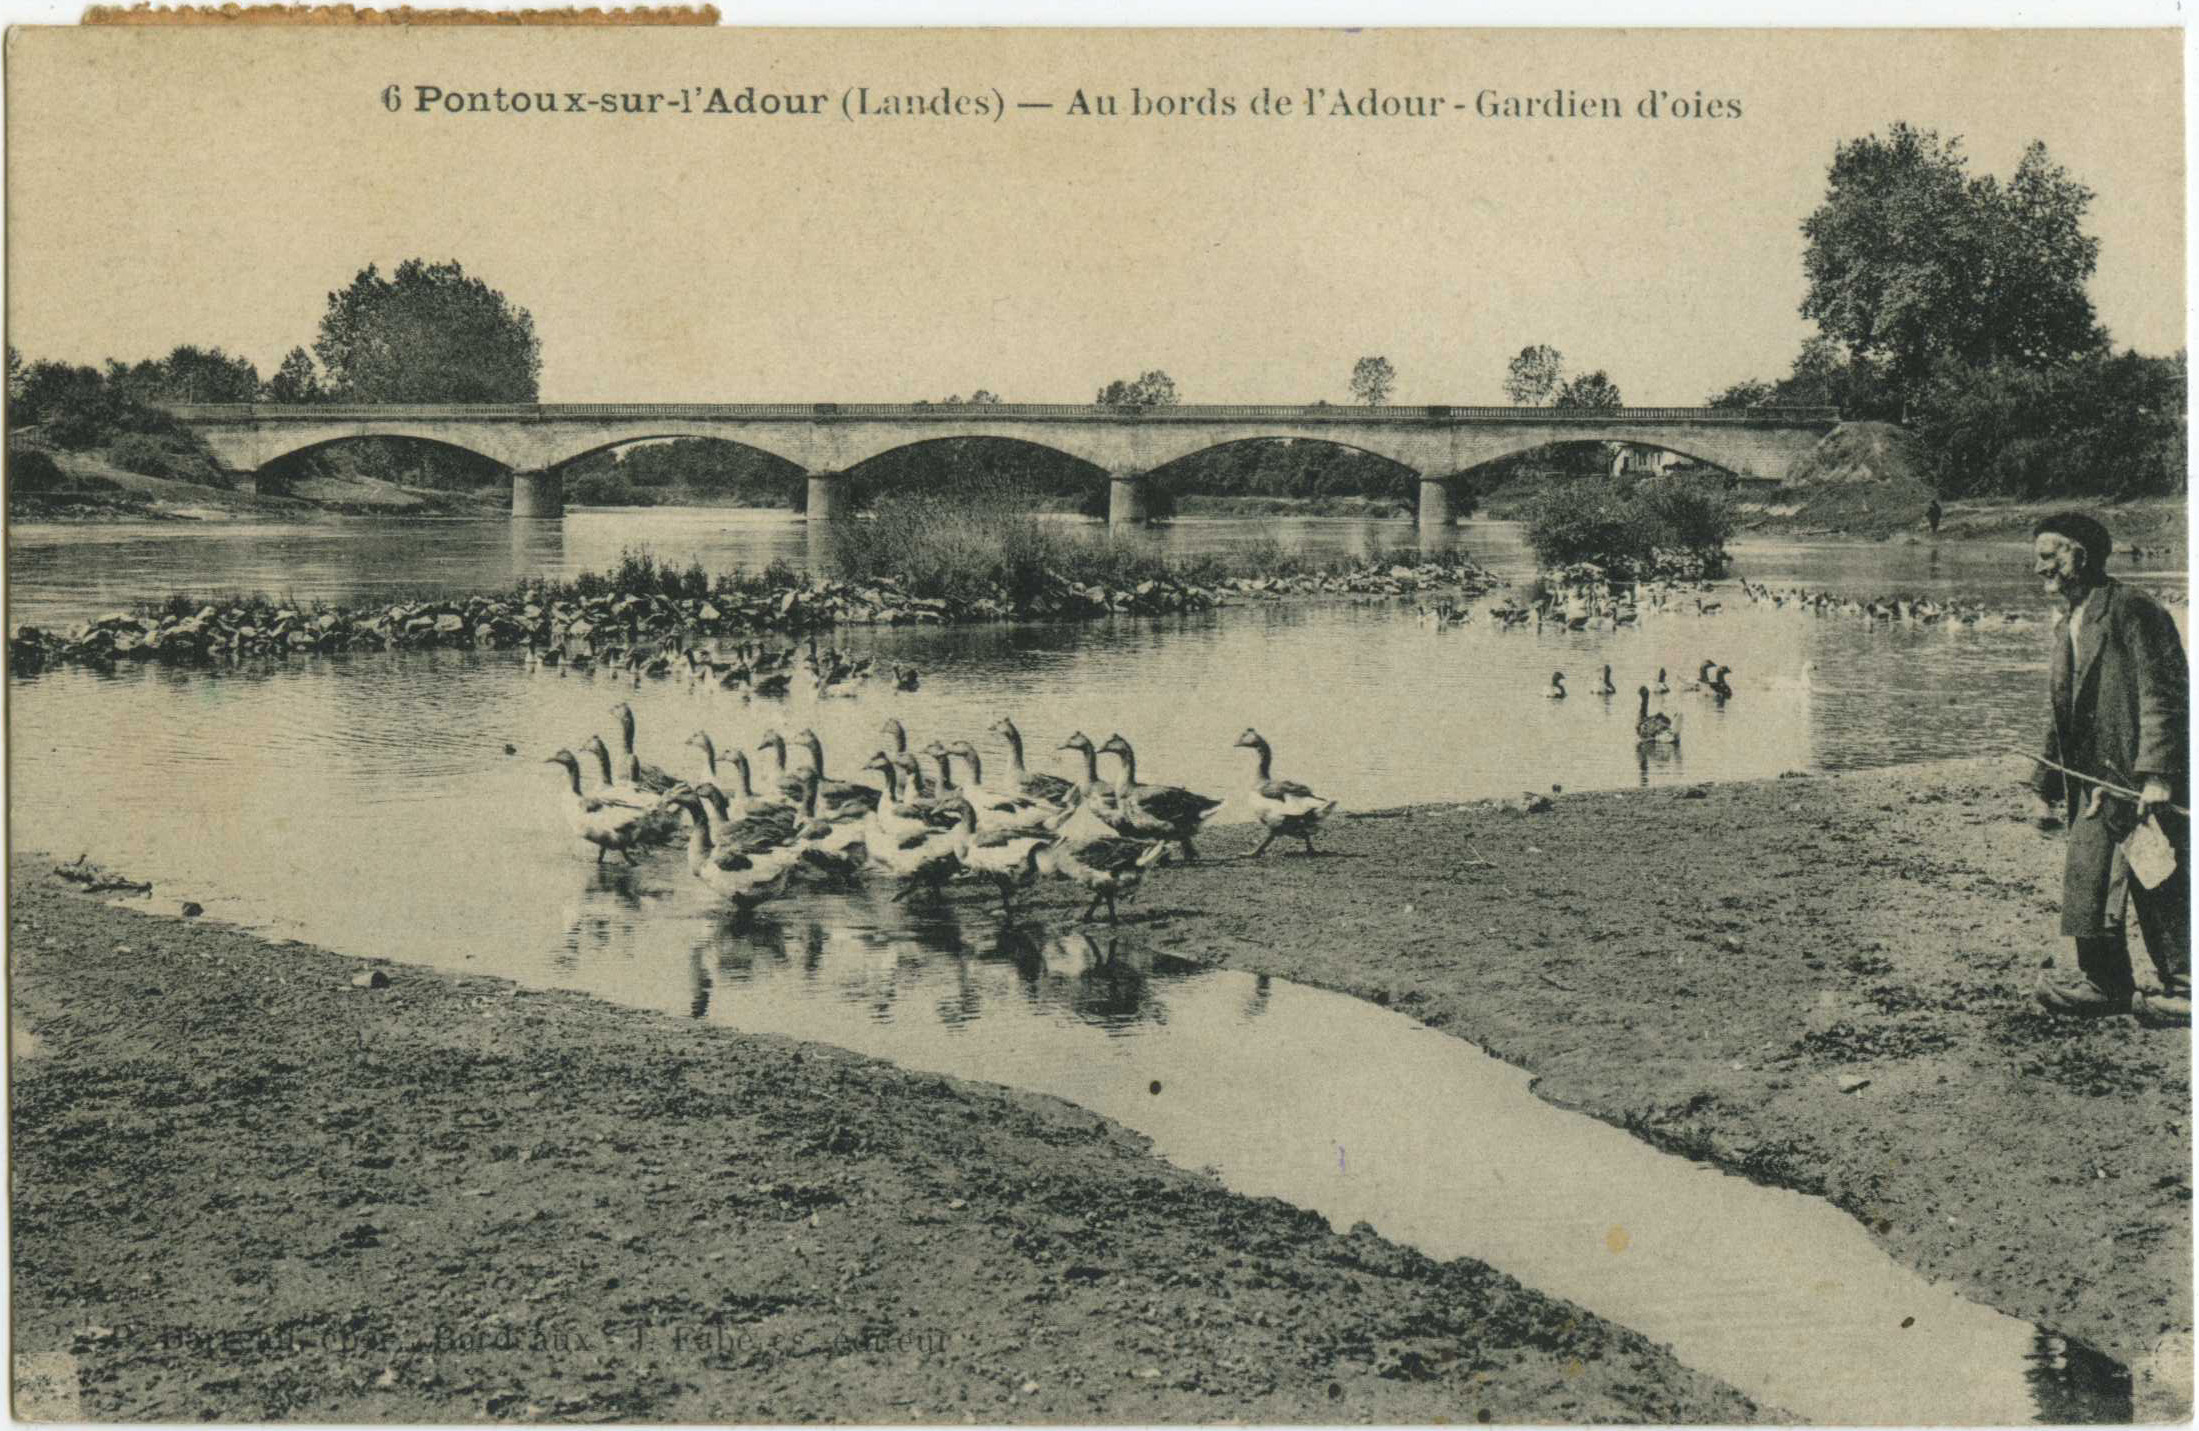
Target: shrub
{"points": [[1674, 528], [33, 469], [1690, 524], [143, 454]]}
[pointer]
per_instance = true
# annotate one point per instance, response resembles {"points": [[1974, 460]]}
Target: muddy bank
{"points": [[247, 1187], [1713, 967]]}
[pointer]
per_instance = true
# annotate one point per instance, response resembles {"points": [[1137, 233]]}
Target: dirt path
{"points": [[245, 1189], [1704, 966]]}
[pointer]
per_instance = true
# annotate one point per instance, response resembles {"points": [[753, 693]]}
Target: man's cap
{"points": [[2085, 530]]}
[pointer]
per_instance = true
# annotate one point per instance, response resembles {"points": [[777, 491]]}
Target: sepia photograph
{"points": [[1070, 726]]}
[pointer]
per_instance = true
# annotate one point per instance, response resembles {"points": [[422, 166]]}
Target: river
{"points": [[368, 803]]}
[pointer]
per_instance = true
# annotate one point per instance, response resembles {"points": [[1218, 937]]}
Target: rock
{"points": [[1534, 803], [192, 909], [1853, 1082], [372, 979], [510, 749], [1730, 944]]}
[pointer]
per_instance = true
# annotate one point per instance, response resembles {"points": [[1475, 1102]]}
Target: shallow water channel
{"points": [[369, 804]]}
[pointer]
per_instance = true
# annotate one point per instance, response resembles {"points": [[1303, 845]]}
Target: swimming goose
{"points": [[1050, 788], [836, 847], [1156, 812], [1662, 688], [1557, 686], [745, 877], [1284, 806], [607, 820], [906, 678], [1606, 688], [1658, 727], [648, 777], [1719, 688]]}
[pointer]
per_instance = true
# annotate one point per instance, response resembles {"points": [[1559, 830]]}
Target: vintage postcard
{"points": [[1404, 726]]}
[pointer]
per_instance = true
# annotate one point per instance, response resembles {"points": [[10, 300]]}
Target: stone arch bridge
{"points": [[825, 439]]}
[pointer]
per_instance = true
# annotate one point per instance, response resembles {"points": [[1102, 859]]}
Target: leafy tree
{"points": [[15, 374], [1749, 392], [1911, 258], [1372, 380], [1532, 378], [429, 333], [1589, 390], [1151, 389], [296, 380]]}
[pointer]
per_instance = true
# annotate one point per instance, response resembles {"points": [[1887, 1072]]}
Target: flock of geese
{"points": [[748, 668], [1656, 727], [922, 828]]}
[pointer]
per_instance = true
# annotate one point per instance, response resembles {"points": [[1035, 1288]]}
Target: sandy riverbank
{"points": [[1704, 965], [245, 1189]]}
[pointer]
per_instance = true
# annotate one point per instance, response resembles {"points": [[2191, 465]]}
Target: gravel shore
{"points": [[1712, 967], [1820, 982], [247, 1187]]}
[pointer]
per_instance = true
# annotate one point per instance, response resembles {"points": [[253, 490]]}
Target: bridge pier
{"points": [[1126, 499], [538, 494], [1435, 502], [825, 490]]}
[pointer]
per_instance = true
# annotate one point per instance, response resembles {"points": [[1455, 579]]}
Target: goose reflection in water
{"points": [[1663, 757]]}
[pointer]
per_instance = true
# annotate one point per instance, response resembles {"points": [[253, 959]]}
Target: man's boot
{"points": [[2100, 987]]}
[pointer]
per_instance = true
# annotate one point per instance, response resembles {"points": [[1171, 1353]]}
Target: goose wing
{"points": [[1174, 805], [1052, 789], [1285, 790]]}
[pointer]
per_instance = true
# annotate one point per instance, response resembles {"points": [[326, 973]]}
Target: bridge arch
{"points": [[1692, 452], [278, 453], [641, 438]]}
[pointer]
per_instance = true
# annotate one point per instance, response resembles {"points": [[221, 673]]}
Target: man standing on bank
{"points": [[2119, 690]]}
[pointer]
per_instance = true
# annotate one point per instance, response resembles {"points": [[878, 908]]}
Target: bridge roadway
{"points": [[826, 439]]}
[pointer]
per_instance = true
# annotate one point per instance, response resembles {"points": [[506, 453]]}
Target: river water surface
{"points": [[368, 804]]}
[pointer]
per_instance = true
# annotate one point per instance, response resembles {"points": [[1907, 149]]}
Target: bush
{"points": [[33, 469], [137, 452], [2106, 425], [1661, 529]]}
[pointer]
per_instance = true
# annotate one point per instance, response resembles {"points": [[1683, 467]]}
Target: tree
{"points": [[295, 380], [1151, 389], [980, 398], [1589, 390], [1911, 258], [429, 333], [1371, 380], [1531, 379], [15, 374], [1749, 392]]}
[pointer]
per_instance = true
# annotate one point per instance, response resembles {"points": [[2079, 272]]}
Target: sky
{"points": [[168, 187]]}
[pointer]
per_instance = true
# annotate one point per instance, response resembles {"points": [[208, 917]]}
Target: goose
{"points": [[1092, 790], [938, 751], [906, 678], [997, 809], [788, 784], [1006, 856], [744, 877], [1606, 688], [1719, 688], [1662, 687], [1050, 788], [1655, 728], [834, 846], [772, 685], [662, 823], [835, 794], [648, 777], [1106, 864], [709, 748], [1284, 806], [898, 733], [1701, 683], [1164, 812], [607, 820], [1557, 686], [920, 791], [921, 859], [893, 817], [747, 818]]}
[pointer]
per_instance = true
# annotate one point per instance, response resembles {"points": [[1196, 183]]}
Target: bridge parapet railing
{"points": [[1004, 412]]}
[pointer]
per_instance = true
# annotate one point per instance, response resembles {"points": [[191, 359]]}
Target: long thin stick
{"points": [[2089, 779]]}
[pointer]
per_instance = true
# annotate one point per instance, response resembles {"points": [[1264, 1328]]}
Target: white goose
{"points": [[607, 821], [1284, 806]]}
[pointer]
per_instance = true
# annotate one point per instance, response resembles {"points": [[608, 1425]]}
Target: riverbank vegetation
{"points": [[1666, 528], [1955, 303]]}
